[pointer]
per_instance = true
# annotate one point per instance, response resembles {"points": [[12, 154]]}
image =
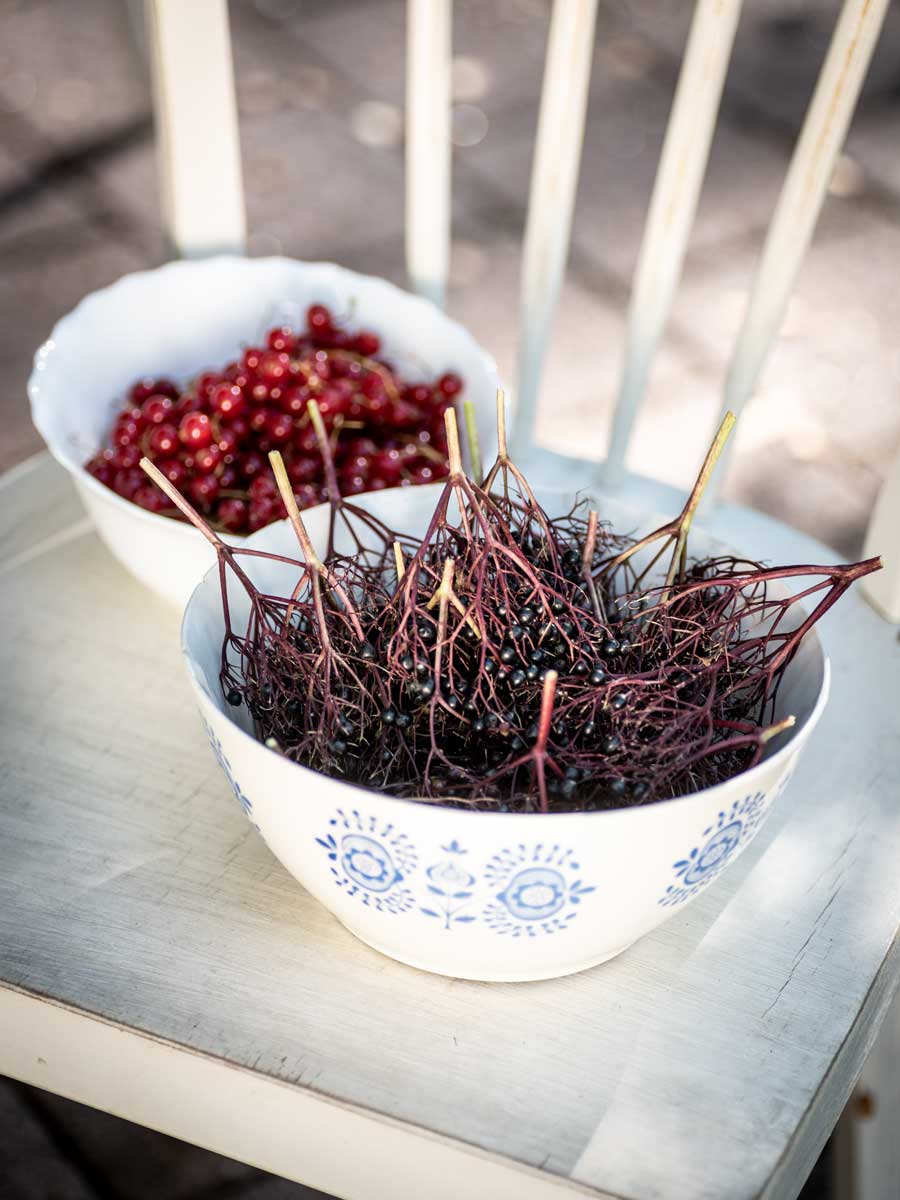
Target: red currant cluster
{"points": [[211, 439]]}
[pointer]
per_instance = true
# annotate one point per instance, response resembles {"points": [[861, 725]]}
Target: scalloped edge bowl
{"points": [[185, 317], [475, 895]]}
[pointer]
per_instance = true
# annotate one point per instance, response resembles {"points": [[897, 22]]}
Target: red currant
{"points": [[150, 497], [227, 400], [162, 441], [207, 459], [156, 408], [282, 338], [319, 320], [203, 489], [195, 430], [232, 513], [367, 344]]}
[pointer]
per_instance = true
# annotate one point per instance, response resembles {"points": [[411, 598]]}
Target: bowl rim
{"points": [[44, 353], [796, 737]]}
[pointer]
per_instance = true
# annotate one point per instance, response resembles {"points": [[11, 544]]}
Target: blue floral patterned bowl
{"points": [[488, 896]]}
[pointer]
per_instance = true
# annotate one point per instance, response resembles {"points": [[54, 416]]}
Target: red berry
{"points": [[228, 478], [162, 441], [333, 402], [203, 489], [419, 394], [232, 513], [240, 427], [228, 443], [259, 419], [156, 408], [263, 487], [319, 319], [252, 356], [189, 402], [150, 497], [352, 485], [387, 464], [262, 512], [195, 430], [101, 469], [174, 470], [304, 469], [450, 384], [227, 400], [294, 400], [423, 474], [273, 367], [367, 344], [282, 338], [207, 459], [371, 385], [206, 382], [251, 464], [127, 480], [279, 426], [307, 494], [126, 457], [128, 428]]}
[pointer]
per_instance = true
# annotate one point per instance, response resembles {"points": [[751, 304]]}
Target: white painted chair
{"points": [[805, 956]]}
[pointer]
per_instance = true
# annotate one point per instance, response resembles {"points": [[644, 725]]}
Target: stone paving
{"points": [[320, 94]]}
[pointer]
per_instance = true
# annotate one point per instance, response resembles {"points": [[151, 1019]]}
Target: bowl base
{"points": [[492, 976]]}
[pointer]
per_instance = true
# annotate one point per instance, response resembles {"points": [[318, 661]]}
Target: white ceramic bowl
{"points": [[479, 895], [187, 317]]}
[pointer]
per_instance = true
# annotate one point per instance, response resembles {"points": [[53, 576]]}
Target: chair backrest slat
{"points": [[673, 206], [554, 177], [428, 58], [800, 202], [197, 127]]}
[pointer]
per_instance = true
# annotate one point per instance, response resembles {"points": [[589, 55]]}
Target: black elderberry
{"points": [[337, 746], [388, 715], [489, 666], [619, 700], [492, 720], [589, 728], [610, 647], [532, 673], [404, 720], [536, 655], [638, 791], [517, 678], [478, 725], [234, 697], [526, 615], [516, 632], [426, 688], [367, 652], [508, 654], [345, 725], [618, 788], [598, 676], [407, 662], [610, 744], [580, 669]]}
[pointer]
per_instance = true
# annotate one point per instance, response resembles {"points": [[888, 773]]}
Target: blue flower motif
{"points": [[223, 762], [536, 891], [370, 860], [719, 842], [453, 887], [534, 894], [368, 863]]}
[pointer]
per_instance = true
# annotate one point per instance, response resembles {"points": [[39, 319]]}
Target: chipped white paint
{"points": [[672, 208], [428, 149], [155, 959], [196, 126], [800, 202], [883, 588], [554, 177]]}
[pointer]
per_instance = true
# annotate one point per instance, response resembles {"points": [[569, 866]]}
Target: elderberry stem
{"points": [[472, 438], [686, 518]]}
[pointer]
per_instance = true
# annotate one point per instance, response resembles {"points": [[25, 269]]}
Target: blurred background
{"points": [[320, 90]]}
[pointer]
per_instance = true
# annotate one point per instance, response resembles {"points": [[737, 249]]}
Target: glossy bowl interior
{"points": [[482, 895], [187, 317]]}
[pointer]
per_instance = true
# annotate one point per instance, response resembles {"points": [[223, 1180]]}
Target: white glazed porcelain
{"points": [[187, 317], [471, 894]]}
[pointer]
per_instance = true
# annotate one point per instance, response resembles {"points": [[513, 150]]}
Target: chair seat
{"points": [[157, 962]]}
